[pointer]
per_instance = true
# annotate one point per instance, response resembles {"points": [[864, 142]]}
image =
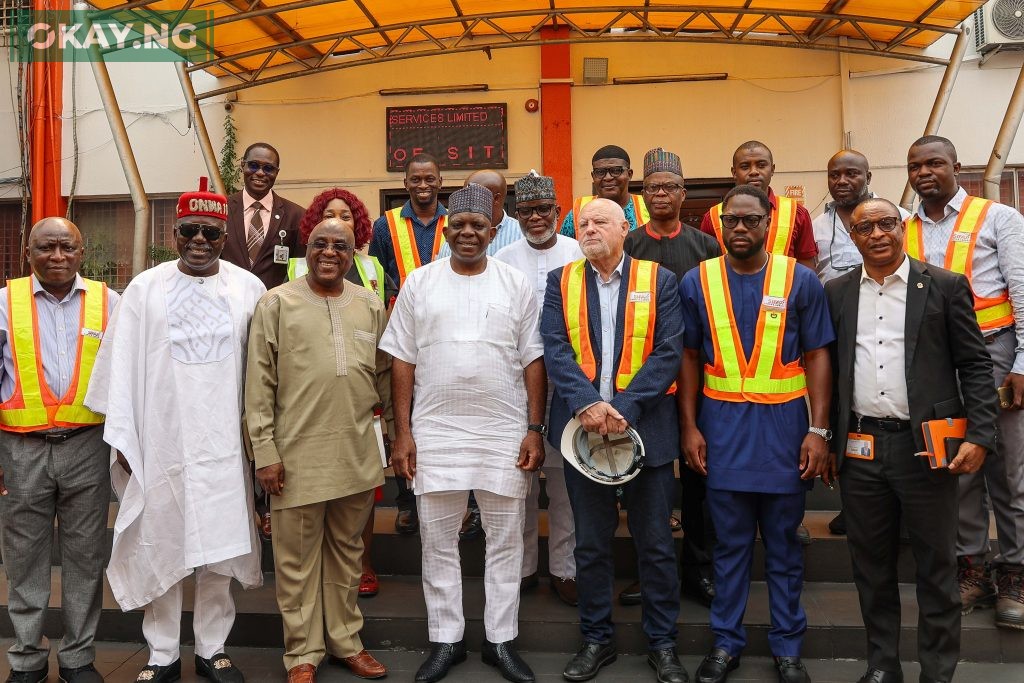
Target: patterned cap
{"points": [[472, 198], [533, 187], [659, 160], [203, 203]]}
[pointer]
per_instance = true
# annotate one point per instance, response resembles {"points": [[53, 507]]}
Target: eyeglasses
{"points": [[668, 188], [614, 172], [255, 166], [544, 210], [751, 220], [865, 228], [190, 230], [339, 247]]}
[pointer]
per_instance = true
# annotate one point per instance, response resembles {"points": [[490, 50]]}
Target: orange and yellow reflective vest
{"points": [[640, 317], [403, 241], [992, 312], [643, 217], [780, 232], [763, 378], [32, 406]]}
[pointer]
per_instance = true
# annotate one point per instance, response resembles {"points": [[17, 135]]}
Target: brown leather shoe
{"points": [[976, 588], [303, 673], [565, 589], [1010, 605], [364, 665]]}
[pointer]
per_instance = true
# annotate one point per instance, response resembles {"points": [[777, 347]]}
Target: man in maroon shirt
{"points": [[752, 164]]}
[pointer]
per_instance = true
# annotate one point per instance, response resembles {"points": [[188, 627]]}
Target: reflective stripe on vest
{"points": [[640, 316], [780, 231], [33, 406], [297, 267], [992, 312], [763, 378], [643, 217], [403, 242]]}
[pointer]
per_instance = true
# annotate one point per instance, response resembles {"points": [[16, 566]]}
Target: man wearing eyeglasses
{"points": [[762, 322], [849, 178], [611, 175], [263, 226], [790, 232], [908, 347], [168, 377]]}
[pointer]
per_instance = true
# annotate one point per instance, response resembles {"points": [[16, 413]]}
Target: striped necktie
{"points": [[254, 238]]}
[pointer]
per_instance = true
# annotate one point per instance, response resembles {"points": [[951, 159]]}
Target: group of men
{"points": [[715, 346]]}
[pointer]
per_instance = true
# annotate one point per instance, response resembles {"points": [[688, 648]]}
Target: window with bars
{"points": [[10, 241], [1011, 185], [9, 10]]}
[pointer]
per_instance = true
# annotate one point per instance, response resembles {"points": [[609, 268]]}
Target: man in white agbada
{"points": [[542, 251], [465, 339], [168, 376]]}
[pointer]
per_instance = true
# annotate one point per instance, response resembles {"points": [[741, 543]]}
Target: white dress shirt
{"points": [[879, 366]]}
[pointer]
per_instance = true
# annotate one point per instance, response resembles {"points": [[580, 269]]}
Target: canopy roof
{"points": [[262, 41]]}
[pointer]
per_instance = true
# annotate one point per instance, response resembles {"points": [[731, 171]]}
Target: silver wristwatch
{"points": [[823, 432]]}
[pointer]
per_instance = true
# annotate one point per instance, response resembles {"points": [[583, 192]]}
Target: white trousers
{"points": [[561, 530], [213, 616], [441, 516]]}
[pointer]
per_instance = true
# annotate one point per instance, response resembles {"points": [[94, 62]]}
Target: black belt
{"points": [[998, 333], [885, 424], [58, 437]]}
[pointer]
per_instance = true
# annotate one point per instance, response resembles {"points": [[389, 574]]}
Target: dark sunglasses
{"points": [[544, 210], [254, 166], [190, 230]]}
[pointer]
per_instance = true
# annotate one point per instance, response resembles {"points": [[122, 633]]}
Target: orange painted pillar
{"points": [[47, 105], [556, 113]]}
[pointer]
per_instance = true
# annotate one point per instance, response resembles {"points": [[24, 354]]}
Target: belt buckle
{"points": [[57, 438]]}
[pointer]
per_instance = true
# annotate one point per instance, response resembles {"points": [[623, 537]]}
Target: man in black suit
{"points": [[906, 331], [260, 220]]}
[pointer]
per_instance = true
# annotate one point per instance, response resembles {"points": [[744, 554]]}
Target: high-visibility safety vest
{"points": [[403, 241], [32, 406], [640, 315], [780, 231], [763, 378], [643, 217], [297, 267], [992, 312]]}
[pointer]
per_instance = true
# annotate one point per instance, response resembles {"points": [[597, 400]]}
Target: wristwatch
{"points": [[823, 432], [541, 429]]}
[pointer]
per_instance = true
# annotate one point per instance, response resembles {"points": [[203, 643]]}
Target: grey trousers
{"points": [[69, 481], [1001, 477]]}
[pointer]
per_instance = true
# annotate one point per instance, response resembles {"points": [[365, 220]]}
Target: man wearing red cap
{"points": [[168, 376]]}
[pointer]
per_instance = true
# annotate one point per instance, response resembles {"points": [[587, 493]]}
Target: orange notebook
{"points": [[942, 439]]}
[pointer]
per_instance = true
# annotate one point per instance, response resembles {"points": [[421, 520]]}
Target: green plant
{"points": [[159, 253], [230, 173]]}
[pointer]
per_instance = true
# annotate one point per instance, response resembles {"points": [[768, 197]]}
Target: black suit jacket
{"points": [[286, 216], [943, 344]]}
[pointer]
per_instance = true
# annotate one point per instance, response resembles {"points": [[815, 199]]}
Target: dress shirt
{"points": [[608, 295], [59, 330], [837, 254], [998, 263], [879, 375], [266, 207], [508, 232]]}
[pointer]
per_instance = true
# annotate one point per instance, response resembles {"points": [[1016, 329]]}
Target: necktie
{"points": [[254, 238]]}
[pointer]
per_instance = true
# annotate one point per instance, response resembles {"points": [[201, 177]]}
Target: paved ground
{"points": [[120, 662]]}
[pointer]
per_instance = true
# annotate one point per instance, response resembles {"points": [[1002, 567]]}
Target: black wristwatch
{"points": [[541, 429]]}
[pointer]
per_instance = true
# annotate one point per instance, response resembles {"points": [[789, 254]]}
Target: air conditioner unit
{"points": [[999, 24]]}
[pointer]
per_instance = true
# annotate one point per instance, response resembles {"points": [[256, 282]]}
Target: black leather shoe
{"points": [[471, 529], [588, 661], [528, 582], [716, 666], [219, 669], [837, 527], [37, 676], [879, 676], [152, 673], [407, 522], [698, 587], [442, 657], [803, 535], [630, 595], [504, 657], [666, 663], [791, 670], [80, 674]]}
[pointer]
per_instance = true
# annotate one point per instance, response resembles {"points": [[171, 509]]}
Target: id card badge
{"points": [[281, 254], [860, 446]]}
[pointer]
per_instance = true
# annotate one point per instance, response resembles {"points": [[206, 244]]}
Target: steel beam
{"points": [[1007, 131], [212, 166]]}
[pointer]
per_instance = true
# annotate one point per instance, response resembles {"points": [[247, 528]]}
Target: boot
{"points": [[976, 587], [1010, 605]]}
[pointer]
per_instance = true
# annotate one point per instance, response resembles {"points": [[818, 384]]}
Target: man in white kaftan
{"points": [[465, 339], [169, 377]]}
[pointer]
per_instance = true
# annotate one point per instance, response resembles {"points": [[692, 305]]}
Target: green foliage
{"points": [[159, 253], [230, 172]]}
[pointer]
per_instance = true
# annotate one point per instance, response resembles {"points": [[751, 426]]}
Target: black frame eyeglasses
{"points": [[887, 224], [750, 221]]}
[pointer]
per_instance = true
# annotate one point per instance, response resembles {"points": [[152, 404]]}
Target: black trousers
{"points": [[696, 551], [876, 493]]}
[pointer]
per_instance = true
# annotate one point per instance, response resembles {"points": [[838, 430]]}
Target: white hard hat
{"points": [[612, 460]]}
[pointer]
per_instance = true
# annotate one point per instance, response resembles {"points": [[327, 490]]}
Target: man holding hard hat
{"points": [[612, 329]]}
